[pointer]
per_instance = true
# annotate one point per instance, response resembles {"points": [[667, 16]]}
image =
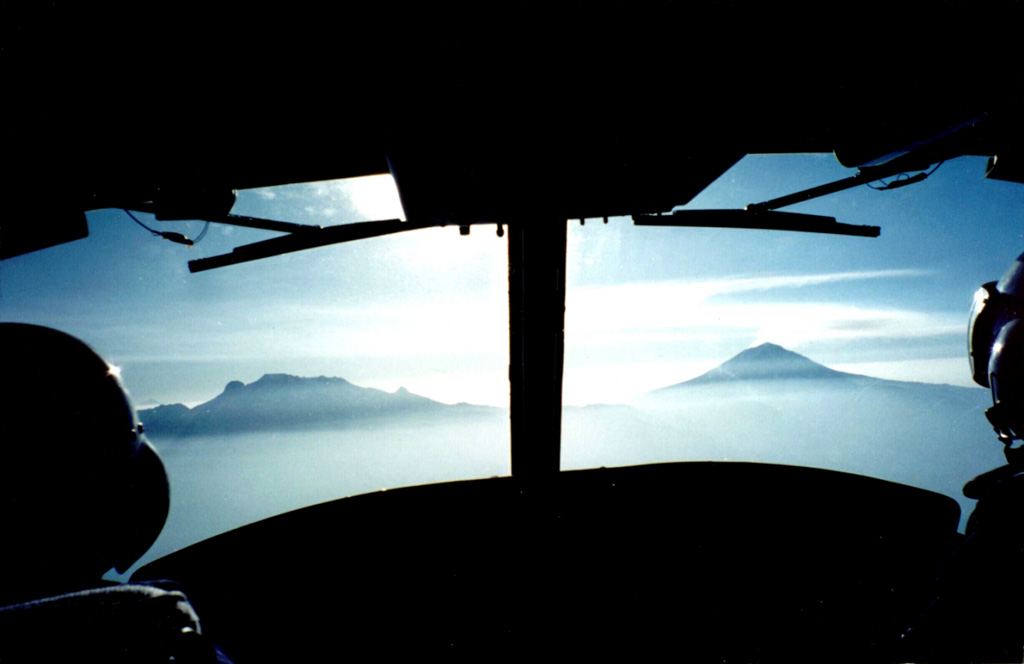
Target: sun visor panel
{"points": [[43, 227], [518, 181]]}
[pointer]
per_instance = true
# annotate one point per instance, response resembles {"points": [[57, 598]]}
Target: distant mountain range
{"points": [[278, 402], [766, 404]]}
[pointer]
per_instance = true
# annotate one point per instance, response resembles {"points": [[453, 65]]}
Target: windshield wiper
{"points": [[756, 219], [765, 215], [300, 237]]}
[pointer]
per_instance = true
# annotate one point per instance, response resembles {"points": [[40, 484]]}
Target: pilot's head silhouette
{"points": [[996, 339], [81, 491]]}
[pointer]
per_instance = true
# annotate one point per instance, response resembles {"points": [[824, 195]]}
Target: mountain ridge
{"points": [[278, 401]]}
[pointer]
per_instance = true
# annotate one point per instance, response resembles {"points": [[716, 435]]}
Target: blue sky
{"points": [[427, 310]]}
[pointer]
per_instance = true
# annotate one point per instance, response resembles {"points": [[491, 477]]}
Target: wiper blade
{"points": [[758, 220], [308, 237]]}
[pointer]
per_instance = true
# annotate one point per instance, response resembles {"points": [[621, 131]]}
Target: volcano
{"points": [[767, 362]]}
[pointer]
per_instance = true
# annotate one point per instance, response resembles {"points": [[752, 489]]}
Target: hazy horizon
{"points": [[845, 368]]}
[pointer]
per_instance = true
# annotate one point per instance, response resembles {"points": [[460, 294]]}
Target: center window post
{"points": [[536, 334]]}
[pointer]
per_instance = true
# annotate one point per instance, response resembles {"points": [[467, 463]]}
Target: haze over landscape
{"points": [[283, 441]]}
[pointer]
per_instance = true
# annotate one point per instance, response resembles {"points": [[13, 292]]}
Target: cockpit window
{"points": [[271, 385], [819, 350]]}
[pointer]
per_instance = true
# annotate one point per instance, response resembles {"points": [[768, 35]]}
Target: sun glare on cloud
{"points": [[677, 306], [376, 196]]}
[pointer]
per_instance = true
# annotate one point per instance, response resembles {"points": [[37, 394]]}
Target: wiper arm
{"points": [[264, 224], [864, 176], [756, 219], [229, 219], [306, 237]]}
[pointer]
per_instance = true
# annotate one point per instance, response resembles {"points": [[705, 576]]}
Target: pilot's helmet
{"points": [[996, 346], [81, 491]]}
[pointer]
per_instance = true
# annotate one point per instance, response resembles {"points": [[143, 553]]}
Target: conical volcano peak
{"points": [[767, 350], [771, 353], [767, 362]]}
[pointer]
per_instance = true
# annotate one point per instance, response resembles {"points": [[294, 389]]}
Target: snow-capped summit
{"points": [[765, 362]]}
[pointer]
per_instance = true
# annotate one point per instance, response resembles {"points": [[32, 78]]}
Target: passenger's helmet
{"points": [[996, 346], [81, 491]]}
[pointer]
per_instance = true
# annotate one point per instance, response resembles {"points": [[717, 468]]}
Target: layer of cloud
{"points": [[681, 310]]}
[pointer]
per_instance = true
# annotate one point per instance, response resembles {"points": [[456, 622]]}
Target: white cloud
{"points": [[692, 293], [793, 325], [375, 197], [749, 284], [675, 307]]}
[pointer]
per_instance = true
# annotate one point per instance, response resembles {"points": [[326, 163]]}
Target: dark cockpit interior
{"points": [[521, 118]]}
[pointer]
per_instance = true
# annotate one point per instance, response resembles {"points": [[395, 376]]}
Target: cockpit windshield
{"points": [[292, 380]]}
